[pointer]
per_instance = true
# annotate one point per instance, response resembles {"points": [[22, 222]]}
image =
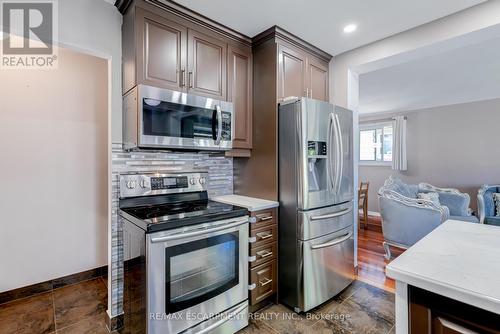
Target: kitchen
{"points": [[234, 248], [232, 182]]}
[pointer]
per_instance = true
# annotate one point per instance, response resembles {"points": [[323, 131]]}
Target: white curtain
{"points": [[399, 161]]}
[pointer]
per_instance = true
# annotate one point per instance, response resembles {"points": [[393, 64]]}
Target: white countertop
{"points": [[458, 260], [251, 203]]}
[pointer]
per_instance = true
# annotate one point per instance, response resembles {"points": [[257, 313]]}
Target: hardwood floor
{"points": [[371, 261]]}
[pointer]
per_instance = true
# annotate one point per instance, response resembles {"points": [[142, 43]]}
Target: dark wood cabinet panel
{"points": [[264, 278], [263, 253], [207, 65], [162, 48], [430, 313], [240, 93], [317, 79], [292, 73]]}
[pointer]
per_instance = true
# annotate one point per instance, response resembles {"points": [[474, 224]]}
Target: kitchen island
{"points": [[449, 282]]}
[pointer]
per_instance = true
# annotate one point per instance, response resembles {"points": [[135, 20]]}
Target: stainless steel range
{"points": [[191, 253]]}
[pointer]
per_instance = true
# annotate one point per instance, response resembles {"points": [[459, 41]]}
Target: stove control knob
{"points": [[192, 181], [143, 184], [131, 184], [203, 180]]}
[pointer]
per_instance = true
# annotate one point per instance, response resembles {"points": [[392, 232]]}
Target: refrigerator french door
{"points": [[316, 191]]}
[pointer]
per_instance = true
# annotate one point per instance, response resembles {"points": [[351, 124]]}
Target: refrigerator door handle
{"points": [[340, 153], [333, 242], [331, 178], [332, 215]]}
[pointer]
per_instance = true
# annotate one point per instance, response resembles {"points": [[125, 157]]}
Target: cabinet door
{"points": [[317, 79], [240, 93], [291, 72], [207, 65], [161, 51]]}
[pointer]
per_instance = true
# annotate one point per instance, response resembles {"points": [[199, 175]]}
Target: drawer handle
{"points": [[264, 235], [333, 242], [263, 219], [265, 282], [264, 253]]}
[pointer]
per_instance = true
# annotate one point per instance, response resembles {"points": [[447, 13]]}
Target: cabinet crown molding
{"points": [[189, 15], [279, 33]]}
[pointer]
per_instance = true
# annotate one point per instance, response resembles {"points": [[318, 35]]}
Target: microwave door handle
{"points": [[219, 124]]}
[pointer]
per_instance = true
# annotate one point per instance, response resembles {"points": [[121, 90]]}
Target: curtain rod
{"points": [[378, 120]]}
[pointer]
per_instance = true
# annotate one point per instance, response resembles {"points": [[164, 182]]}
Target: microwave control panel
{"points": [[226, 126]]}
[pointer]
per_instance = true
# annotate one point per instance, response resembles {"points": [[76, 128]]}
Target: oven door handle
{"points": [[223, 320], [196, 233]]}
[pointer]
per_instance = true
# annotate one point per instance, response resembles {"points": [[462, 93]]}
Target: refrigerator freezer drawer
{"points": [[328, 267], [315, 223]]}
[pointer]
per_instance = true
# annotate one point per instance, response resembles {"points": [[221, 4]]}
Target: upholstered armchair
{"points": [[407, 218], [486, 205]]}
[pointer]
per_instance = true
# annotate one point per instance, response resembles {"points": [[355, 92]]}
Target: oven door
{"points": [[196, 273], [170, 119]]}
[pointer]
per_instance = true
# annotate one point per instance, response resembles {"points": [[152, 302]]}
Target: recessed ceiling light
{"points": [[350, 28]]}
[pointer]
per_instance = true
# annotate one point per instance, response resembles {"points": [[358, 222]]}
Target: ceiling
{"points": [[321, 22], [465, 74]]}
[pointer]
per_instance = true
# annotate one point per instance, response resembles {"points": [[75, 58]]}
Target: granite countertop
{"points": [[458, 260], [250, 203]]}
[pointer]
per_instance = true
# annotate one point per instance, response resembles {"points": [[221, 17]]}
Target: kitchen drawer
{"points": [[262, 254], [263, 282], [263, 235], [263, 218]]}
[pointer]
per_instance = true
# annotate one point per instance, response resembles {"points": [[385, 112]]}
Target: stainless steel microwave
{"points": [[165, 119]]}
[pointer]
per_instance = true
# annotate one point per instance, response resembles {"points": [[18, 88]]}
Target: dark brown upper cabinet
{"points": [[207, 65], [163, 46], [240, 93], [301, 74], [291, 73], [317, 79]]}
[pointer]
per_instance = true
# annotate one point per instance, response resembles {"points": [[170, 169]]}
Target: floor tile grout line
{"points": [[54, 310], [22, 298]]}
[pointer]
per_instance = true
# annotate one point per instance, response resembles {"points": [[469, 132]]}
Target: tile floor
{"points": [[80, 308]]}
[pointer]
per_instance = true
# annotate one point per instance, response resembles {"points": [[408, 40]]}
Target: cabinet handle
{"points": [[264, 253], [263, 219], [183, 78], [190, 77], [264, 236], [266, 281]]}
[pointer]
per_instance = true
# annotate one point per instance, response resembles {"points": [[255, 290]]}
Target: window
{"points": [[375, 143]]}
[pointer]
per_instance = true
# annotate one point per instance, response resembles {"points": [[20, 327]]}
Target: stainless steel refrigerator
{"points": [[316, 214]]}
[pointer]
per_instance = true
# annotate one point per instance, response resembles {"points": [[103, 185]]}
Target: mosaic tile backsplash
{"points": [[220, 182]]}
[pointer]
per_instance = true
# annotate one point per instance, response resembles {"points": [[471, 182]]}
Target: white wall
{"points": [[95, 26], [54, 167], [473, 19], [451, 146], [36, 247]]}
